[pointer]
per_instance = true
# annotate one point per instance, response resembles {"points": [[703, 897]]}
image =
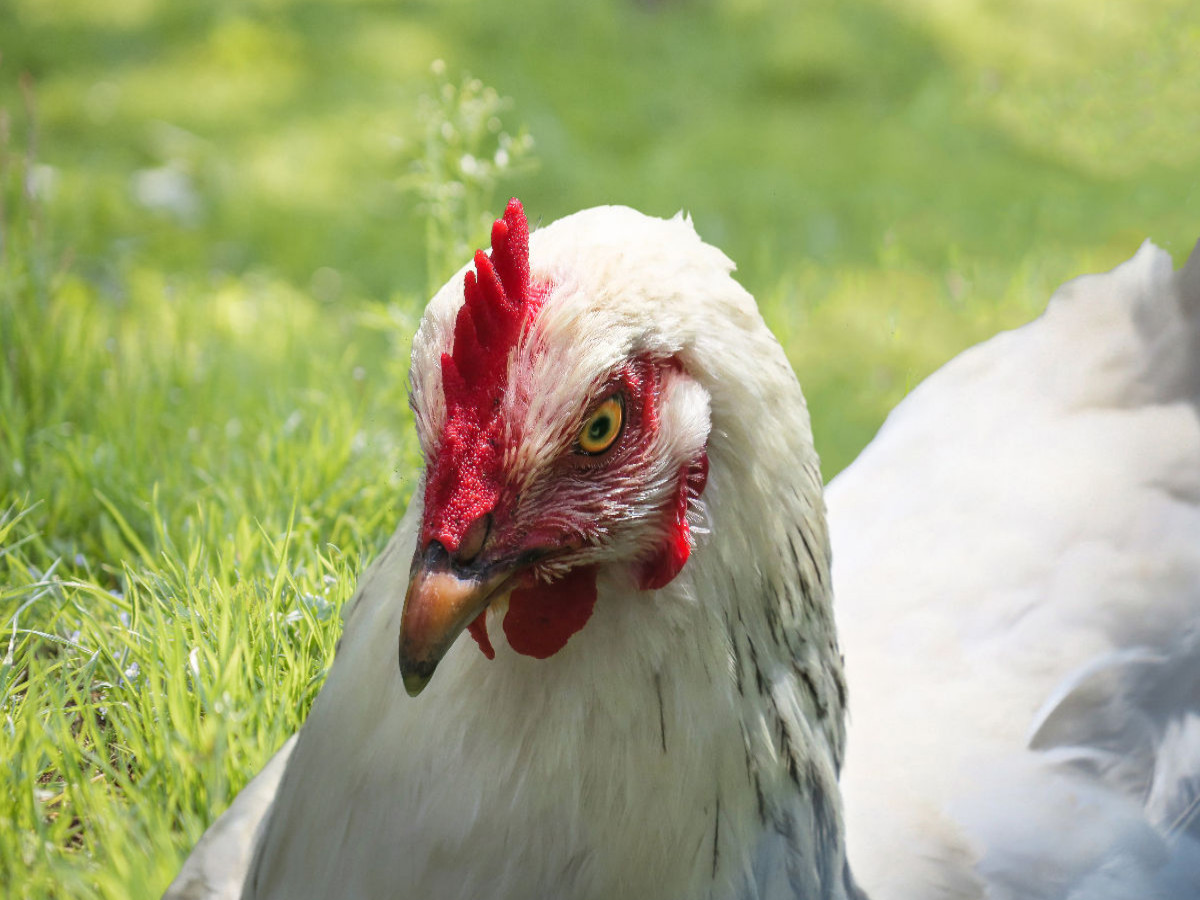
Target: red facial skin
{"points": [[465, 478], [542, 616]]}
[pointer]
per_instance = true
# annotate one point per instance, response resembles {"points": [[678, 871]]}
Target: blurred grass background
{"points": [[220, 222]]}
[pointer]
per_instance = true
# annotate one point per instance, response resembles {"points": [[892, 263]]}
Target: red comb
{"points": [[496, 309], [463, 479]]}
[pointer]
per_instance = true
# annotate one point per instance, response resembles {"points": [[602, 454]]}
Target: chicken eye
{"points": [[602, 427]]}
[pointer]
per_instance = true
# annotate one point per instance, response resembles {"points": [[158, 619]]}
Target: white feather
{"points": [[1017, 573]]}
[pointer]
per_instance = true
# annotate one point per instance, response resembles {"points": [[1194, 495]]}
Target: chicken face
{"points": [[554, 448]]}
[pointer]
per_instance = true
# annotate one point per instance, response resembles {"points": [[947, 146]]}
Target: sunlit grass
{"points": [[127, 708], [216, 234], [193, 472]]}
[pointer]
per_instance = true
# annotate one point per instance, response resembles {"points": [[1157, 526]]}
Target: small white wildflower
{"points": [[168, 190], [42, 181], [469, 165]]}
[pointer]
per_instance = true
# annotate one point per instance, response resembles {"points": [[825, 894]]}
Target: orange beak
{"points": [[442, 600]]}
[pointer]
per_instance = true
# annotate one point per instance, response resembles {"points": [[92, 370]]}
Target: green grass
{"points": [[218, 222]]}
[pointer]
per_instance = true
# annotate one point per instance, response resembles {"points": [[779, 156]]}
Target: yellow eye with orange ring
{"points": [[603, 426]]}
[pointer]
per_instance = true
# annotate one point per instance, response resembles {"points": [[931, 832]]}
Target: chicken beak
{"points": [[441, 601]]}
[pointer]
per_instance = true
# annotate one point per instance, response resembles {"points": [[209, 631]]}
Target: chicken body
{"points": [[685, 741], [1044, 740]]}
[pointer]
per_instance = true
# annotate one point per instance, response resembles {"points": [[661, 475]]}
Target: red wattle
{"points": [[542, 618], [660, 570], [478, 630]]}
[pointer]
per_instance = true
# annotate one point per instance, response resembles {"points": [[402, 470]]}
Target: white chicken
{"points": [[623, 506]]}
